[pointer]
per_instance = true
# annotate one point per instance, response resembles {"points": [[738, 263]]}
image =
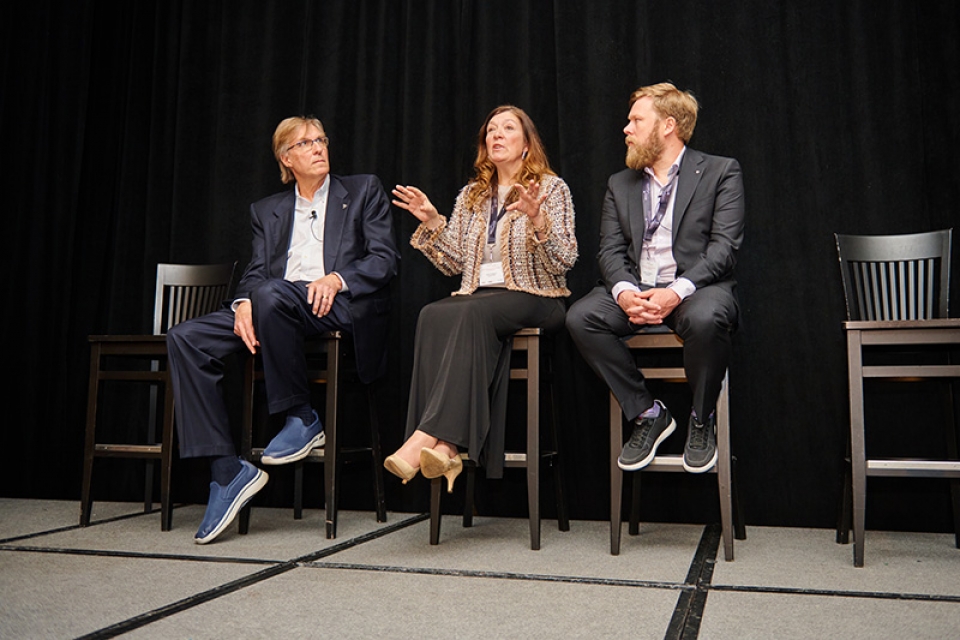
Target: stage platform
{"points": [[122, 576]]}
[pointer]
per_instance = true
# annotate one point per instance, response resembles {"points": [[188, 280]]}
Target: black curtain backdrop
{"points": [[136, 133]]}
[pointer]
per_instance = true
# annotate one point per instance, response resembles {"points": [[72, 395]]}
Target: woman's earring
{"points": [[524, 156]]}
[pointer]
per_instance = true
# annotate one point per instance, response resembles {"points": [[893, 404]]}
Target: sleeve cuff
{"points": [[622, 286], [343, 283], [682, 287]]}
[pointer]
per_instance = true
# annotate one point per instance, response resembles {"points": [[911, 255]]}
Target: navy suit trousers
{"points": [[197, 349]]}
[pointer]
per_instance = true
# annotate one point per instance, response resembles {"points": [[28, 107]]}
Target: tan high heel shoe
{"points": [[435, 464], [400, 468]]}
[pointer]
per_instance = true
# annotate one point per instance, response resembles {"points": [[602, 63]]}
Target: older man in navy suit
{"points": [[670, 229], [323, 256]]}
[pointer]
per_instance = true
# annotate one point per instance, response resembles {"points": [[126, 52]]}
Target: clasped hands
{"points": [[650, 306], [320, 295]]}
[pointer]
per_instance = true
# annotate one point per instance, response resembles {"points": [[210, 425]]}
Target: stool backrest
{"points": [[186, 291], [896, 277]]}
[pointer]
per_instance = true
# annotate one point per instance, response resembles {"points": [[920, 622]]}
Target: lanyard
{"points": [[494, 219], [652, 220]]}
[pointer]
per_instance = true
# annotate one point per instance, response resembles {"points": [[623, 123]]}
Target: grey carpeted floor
{"points": [[123, 576]]}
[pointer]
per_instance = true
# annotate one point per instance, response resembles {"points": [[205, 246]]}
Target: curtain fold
{"points": [[140, 133]]}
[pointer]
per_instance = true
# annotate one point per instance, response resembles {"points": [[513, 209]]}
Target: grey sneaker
{"points": [[647, 436], [700, 452]]}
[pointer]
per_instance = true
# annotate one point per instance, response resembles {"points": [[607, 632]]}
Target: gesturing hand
{"points": [[529, 201], [417, 203]]}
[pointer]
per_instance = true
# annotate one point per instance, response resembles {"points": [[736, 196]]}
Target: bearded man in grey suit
{"points": [[323, 256], [670, 229]]}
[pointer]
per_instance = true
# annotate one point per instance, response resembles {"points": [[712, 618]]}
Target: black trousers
{"points": [[197, 349], [461, 367], [705, 321]]}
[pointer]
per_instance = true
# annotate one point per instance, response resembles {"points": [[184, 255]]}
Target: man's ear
{"points": [[669, 125]]}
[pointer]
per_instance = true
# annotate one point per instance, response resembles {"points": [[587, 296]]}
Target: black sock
{"points": [[304, 412], [225, 469]]}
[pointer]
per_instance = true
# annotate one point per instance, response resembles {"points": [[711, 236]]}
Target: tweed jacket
{"points": [[530, 265]]}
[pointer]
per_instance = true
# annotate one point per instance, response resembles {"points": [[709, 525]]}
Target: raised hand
{"points": [[529, 201], [416, 202]]}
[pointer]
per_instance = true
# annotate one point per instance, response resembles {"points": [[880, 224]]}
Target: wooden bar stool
{"points": [[526, 341], [896, 289], [326, 355], [183, 291], [730, 517]]}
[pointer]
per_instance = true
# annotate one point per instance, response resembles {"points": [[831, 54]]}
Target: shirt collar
{"points": [[318, 198], [674, 168]]}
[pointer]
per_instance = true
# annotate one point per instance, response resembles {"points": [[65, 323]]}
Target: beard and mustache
{"points": [[643, 155]]}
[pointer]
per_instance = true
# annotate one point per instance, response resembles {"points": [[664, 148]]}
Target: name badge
{"points": [[491, 273], [648, 271]]}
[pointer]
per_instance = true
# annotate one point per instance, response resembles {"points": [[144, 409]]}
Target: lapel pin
{"points": [[344, 205]]}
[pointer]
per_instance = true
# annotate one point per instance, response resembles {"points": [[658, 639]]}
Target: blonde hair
{"points": [[534, 165], [283, 138], [670, 102]]}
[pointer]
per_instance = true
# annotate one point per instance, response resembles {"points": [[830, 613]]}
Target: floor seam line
{"points": [[503, 575], [688, 613], [838, 593], [219, 591]]}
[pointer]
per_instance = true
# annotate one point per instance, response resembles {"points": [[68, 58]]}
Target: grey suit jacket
{"points": [[707, 222], [358, 243]]}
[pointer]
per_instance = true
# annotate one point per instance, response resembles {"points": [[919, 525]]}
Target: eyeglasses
{"points": [[303, 145]]}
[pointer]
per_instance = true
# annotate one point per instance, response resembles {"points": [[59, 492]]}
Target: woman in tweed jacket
{"points": [[511, 239]]}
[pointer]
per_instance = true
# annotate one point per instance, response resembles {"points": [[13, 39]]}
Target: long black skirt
{"points": [[461, 367]]}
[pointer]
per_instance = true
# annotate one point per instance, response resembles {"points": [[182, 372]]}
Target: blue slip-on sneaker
{"points": [[225, 502], [294, 441]]}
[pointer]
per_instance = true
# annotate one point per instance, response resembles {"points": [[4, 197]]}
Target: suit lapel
{"points": [[337, 202], [635, 214], [282, 232], [691, 170]]}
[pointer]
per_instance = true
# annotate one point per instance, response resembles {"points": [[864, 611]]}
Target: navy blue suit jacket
{"points": [[358, 243]]}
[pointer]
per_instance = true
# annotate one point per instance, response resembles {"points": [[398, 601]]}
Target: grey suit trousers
{"points": [[705, 321]]}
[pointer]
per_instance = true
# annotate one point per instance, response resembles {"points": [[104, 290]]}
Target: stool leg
{"points": [[616, 475], [166, 459], [739, 526], [298, 490], [858, 462], [633, 528], [379, 495], [723, 469], [86, 501], [953, 455], [533, 441], [469, 500], [844, 510], [151, 438], [435, 491], [563, 517], [331, 450], [246, 430]]}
